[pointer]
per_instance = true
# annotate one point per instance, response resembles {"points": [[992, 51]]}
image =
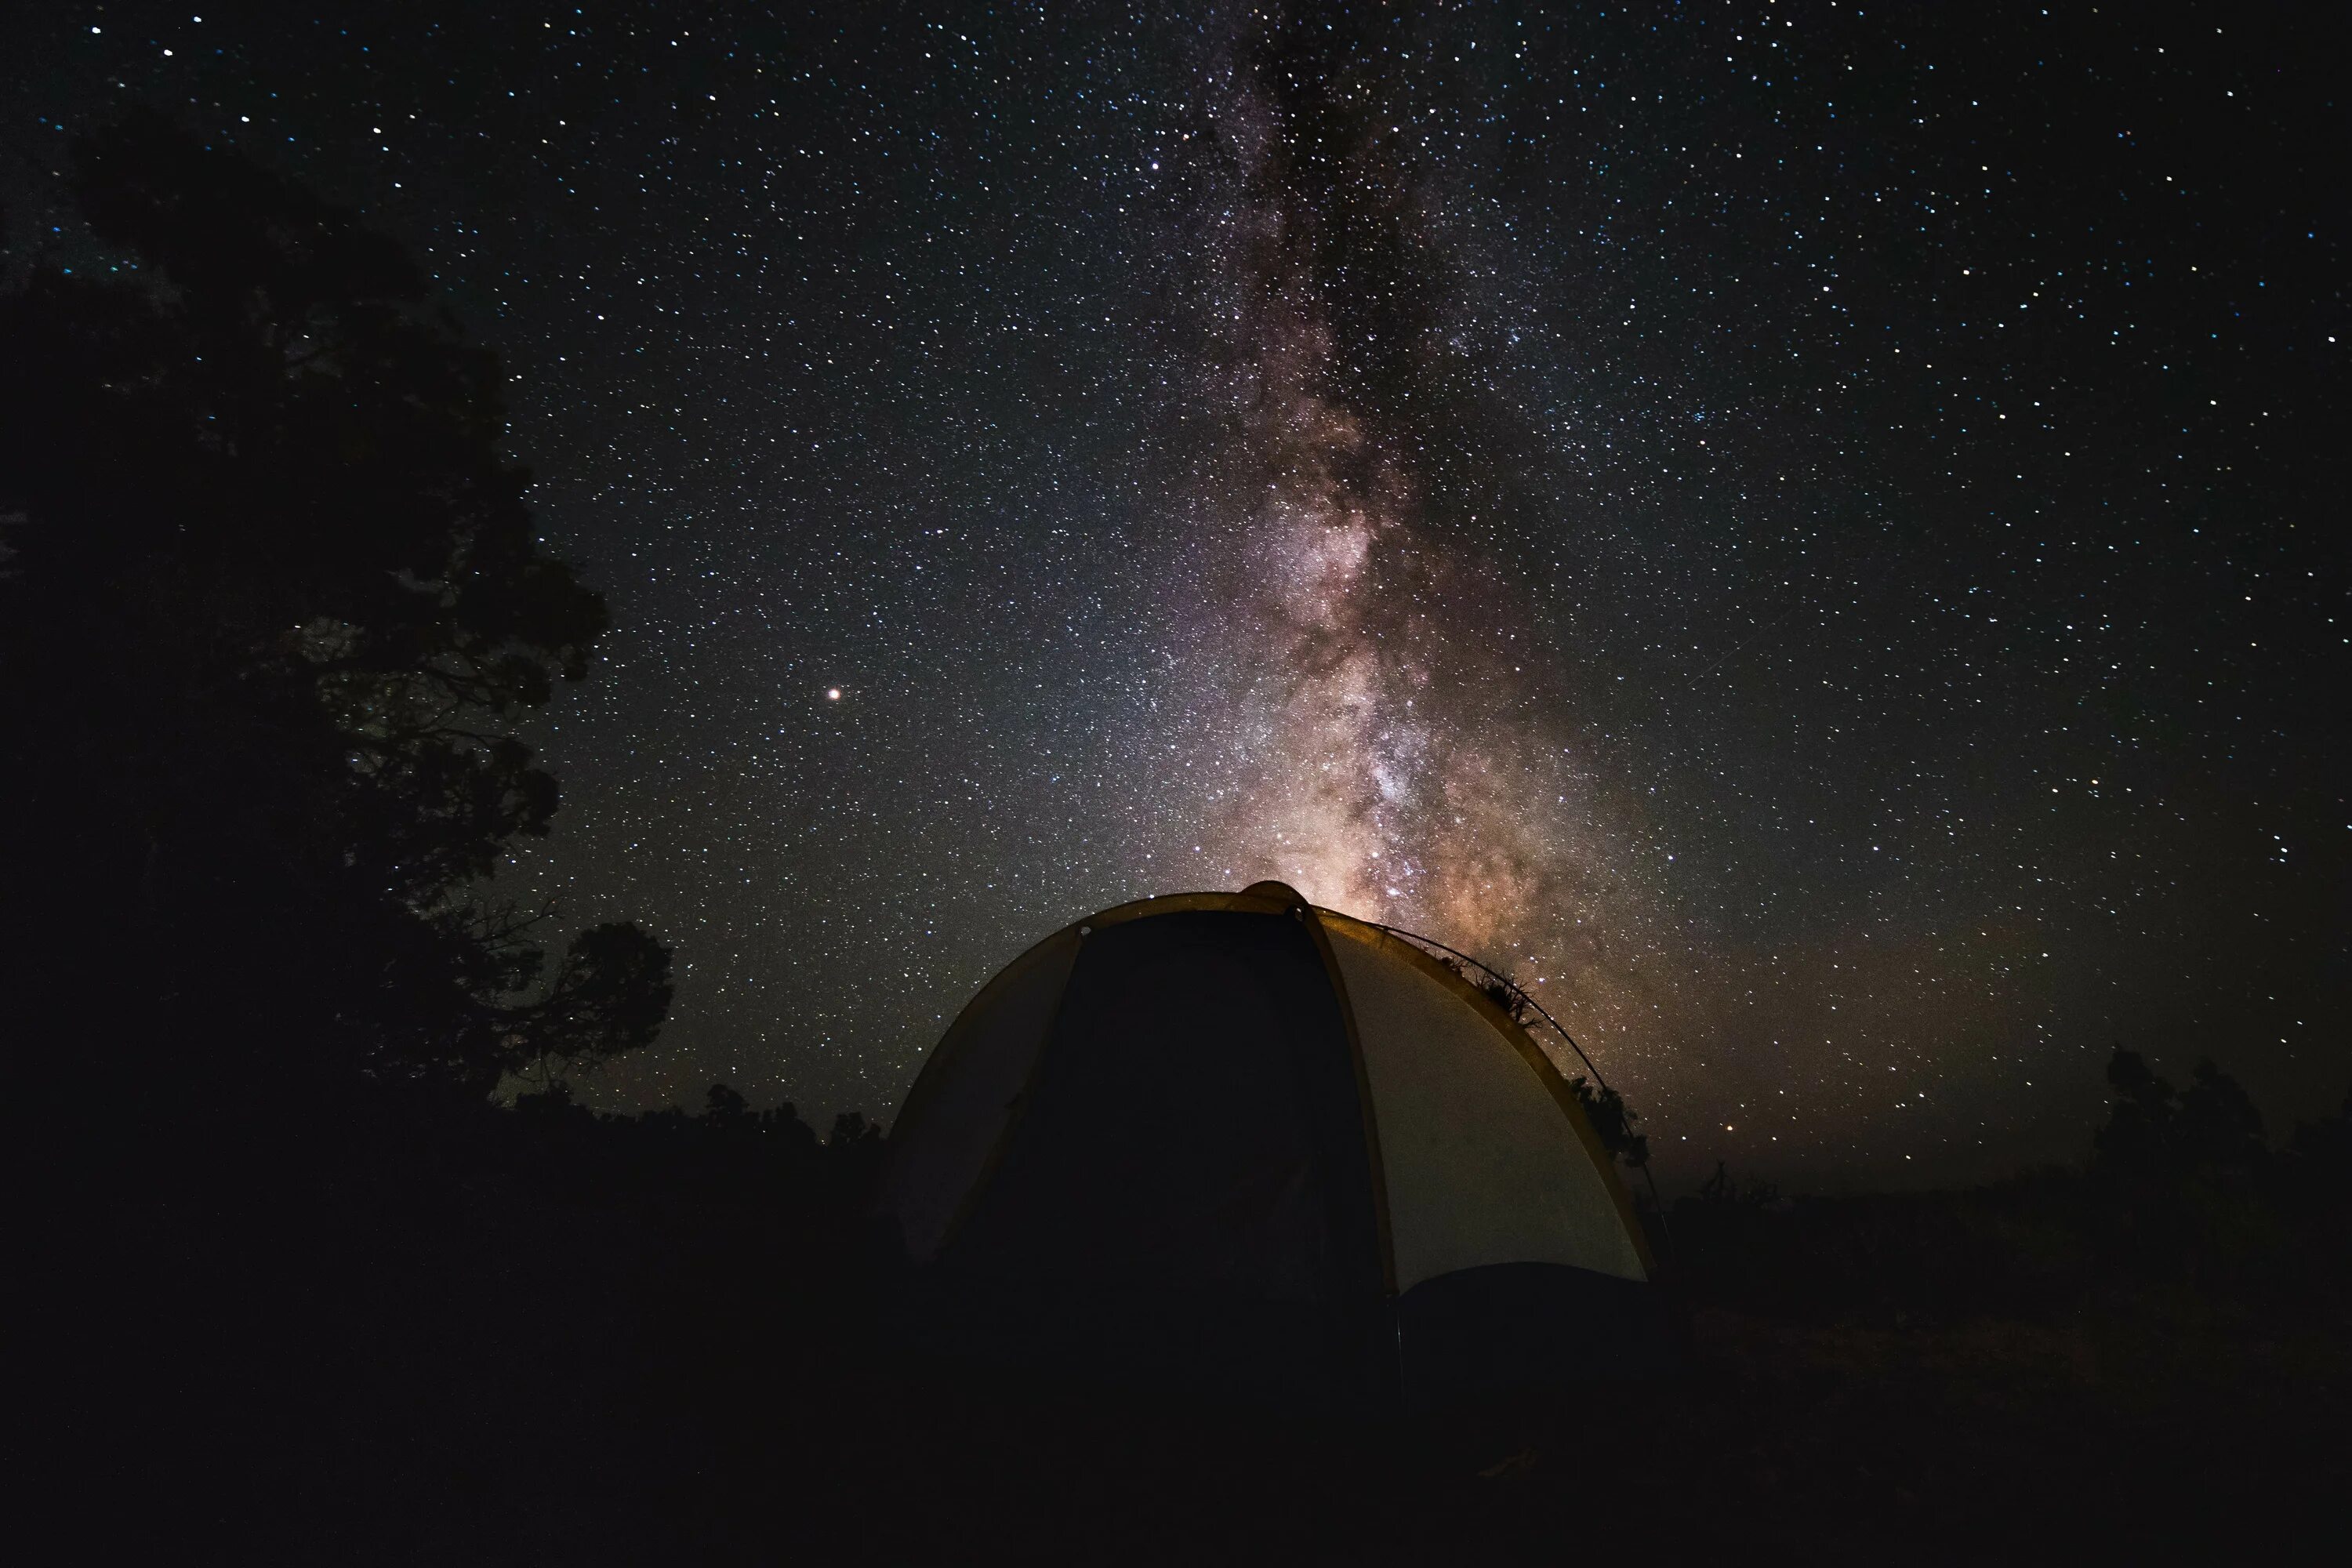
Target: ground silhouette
{"points": [[538, 1333]]}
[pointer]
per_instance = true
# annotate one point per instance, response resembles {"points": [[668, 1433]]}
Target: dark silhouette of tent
{"points": [[1230, 1144]]}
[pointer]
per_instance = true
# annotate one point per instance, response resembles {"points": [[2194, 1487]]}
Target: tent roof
{"points": [[1031, 984], [1287, 1148]]}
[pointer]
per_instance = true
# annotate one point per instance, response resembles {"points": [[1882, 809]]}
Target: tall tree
{"points": [[272, 603]]}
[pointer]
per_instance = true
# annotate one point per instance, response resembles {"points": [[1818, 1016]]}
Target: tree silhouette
{"points": [[2138, 1131], [2183, 1179], [273, 596], [1612, 1121], [2155, 1132]]}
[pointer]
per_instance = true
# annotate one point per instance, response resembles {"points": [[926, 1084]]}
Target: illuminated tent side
{"points": [[1230, 1144]]}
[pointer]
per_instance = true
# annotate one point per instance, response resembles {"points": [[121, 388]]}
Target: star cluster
{"points": [[1807, 532]]}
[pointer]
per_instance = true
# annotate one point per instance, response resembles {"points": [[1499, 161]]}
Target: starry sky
{"points": [[1809, 533]]}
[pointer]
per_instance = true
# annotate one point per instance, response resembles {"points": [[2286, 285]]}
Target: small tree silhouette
{"points": [[1613, 1122], [2155, 1132]]}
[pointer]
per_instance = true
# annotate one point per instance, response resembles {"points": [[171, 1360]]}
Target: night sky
{"points": [[1811, 534]]}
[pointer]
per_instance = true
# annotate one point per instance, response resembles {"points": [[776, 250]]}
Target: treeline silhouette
{"points": [[2183, 1196], [2183, 1190], [295, 1283]]}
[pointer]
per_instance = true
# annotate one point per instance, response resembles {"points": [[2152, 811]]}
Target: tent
{"points": [[1230, 1144]]}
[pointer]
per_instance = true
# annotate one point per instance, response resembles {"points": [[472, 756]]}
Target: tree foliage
{"points": [[273, 603], [1612, 1121], [2156, 1132]]}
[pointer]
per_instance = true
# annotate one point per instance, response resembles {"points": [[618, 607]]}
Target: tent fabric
{"points": [[1183, 1188], [1483, 1163], [968, 1090], [1233, 1144], [1193, 1122]]}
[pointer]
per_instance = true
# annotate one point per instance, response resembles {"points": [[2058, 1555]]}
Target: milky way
{"points": [[1810, 535], [1374, 732]]}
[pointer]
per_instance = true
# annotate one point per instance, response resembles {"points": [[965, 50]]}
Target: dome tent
{"points": [[1231, 1144]]}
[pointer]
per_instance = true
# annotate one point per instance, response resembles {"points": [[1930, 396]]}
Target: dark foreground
{"points": [[534, 1336]]}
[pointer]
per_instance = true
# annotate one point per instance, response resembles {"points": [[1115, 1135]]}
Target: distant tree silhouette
{"points": [[2182, 1181], [2155, 1131], [2326, 1143], [2138, 1131], [727, 1108], [273, 596], [1722, 1190], [2315, 1183], [2218, 1127]]}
